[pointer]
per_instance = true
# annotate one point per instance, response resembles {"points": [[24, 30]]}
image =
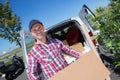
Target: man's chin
{"points": [[40, 37]]}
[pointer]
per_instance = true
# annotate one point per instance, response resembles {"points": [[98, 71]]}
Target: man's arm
{"points": [[32, 68], [68, 50]]}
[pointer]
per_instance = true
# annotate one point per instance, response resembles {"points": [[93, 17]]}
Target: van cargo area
{"points": [[71, 35]]}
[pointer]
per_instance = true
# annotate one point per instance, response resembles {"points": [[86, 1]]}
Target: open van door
{"points": [[24, 35], [85, 15]]}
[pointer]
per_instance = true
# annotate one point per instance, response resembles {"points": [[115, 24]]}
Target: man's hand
{"points": [[86, 50]]}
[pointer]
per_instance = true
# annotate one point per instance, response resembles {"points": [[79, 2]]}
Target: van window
{"points": [[92, 22]]}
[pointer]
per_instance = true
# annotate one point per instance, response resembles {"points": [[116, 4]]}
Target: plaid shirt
{"points": [[50, 58]]}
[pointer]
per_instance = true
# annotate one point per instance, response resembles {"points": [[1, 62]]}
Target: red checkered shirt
{"points": [[50, 58]]}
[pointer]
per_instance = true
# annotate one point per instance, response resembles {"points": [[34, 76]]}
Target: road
{"points": [[113, 75], [23, 76]]}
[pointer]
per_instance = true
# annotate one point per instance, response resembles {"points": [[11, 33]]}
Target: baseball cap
{"points": [[32, 22]]}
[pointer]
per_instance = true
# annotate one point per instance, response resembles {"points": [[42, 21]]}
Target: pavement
{"points": [[108, 63], [23, 76], [113, 75]]}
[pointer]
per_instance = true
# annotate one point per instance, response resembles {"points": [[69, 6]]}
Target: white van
{"points": [[76, 33]]}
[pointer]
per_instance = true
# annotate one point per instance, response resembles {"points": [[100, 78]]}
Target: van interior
{"points": [[71, 35], [68, 31]]}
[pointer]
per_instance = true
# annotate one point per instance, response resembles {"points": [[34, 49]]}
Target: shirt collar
{"points": [[47, 41]]}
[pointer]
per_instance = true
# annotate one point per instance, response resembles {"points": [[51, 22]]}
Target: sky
{"points": [[50, 12]]}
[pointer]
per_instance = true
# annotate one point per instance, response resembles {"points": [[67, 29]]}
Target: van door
{"points": [[86, 15]]}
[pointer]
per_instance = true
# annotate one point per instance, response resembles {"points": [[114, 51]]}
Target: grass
{"points": [[16, 51], [8, 54]]}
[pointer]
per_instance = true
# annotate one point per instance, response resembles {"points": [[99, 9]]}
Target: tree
{"points": [[10, 24], [109, 19]]}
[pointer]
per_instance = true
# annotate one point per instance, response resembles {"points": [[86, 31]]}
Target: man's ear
{"points": [[43, 28], [31, 33]]}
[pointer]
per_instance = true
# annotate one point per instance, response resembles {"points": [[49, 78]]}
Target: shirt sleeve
{"points": [[68, 50], [32, 68]]}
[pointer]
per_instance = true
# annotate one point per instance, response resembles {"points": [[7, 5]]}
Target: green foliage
{"points": [[109, 18], [92, 21], [10, 24]]}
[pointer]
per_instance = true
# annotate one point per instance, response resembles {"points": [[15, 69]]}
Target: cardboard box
{"points": [[65, 42], [78, 47], [87, 67]]}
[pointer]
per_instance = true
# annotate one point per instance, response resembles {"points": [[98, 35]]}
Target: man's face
{"points": [[37, 31]]}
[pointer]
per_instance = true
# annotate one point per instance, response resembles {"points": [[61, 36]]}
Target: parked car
{"points": [[12, 70], [76, 30]]}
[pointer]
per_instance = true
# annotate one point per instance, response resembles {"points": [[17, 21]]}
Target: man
{"points": [[46, 52]]}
